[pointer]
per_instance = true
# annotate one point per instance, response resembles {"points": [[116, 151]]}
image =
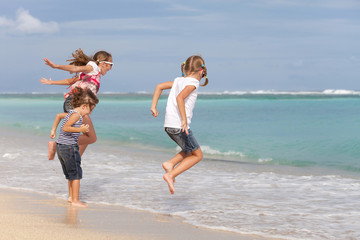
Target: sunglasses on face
{"points": [[110, 63]]}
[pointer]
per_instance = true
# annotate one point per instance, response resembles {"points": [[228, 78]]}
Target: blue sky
{"points": [[299, 45]]}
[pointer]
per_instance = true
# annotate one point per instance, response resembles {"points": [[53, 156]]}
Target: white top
{"points": [[95, 70], [172, 115], [89, 80]]}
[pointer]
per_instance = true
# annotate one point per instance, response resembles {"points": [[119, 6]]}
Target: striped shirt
{"points": [[69, 138]]}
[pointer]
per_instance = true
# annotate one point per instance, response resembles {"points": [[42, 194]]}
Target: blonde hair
{"points": [[194, 64]]}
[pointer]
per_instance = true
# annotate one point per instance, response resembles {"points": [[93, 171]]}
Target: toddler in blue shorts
{"points": [[67, 147]]}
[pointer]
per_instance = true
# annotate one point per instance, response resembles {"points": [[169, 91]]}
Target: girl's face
{"points": [[86, 109], [105, 66]]}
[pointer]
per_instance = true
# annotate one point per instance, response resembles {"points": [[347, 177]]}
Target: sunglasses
{"points": [[110, 63]]}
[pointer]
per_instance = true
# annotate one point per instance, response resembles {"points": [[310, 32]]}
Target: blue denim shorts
{"points": [[186, 142], [70, 160]]}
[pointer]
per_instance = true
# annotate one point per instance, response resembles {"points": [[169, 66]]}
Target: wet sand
{"points": [[27, 215]]}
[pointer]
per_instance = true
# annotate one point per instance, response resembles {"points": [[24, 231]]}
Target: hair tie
{"points": [[184, 62], [182, 74], [202, 65]]}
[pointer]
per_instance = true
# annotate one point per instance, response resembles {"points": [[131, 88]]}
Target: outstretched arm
{"points": [[57, 120], [158, 90], [67, 81], [69, 68], [180, 99]]}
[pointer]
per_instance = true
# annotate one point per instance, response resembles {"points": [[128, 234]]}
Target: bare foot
{"points": [[52, 150], [69, 199], [78, 204], [170, 182], [168, 167]]}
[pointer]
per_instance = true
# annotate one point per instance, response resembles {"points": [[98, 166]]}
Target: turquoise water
{"points": [[293, 130], [275, 165]]}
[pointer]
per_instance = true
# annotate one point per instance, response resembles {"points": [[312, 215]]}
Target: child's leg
{"points": [[188, 162], [70, 191], [52, 150], [75, 185], [169, 165], [87, 138]]}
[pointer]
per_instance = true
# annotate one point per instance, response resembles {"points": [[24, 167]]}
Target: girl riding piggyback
{"points": [[88, 72]]}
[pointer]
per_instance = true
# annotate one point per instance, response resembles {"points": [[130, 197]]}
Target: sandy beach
{"points": [[287, 189], [27, 215]]}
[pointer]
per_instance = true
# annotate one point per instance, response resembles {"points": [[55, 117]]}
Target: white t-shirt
{"points": [[172, 115], [95, 70], [89, 80]]}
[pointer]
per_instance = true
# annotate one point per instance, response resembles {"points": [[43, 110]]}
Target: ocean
{"points": [[276, 164]]}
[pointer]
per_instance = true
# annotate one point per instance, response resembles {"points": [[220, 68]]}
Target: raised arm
{"points": [[158, 90], [69, 68], [57, 120], [180, 99]]}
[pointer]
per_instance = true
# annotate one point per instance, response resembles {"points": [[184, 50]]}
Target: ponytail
{"points": [[182, 69], [205, 76], [194, 64], [79, 58]]}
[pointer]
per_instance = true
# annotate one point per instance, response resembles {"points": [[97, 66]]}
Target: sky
{"points": [[247, 45]]}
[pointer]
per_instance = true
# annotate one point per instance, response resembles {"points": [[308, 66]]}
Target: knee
{"points": [[93, 139], [198, 154]]}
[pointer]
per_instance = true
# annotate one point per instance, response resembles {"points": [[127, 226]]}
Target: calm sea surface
{"points": [[275, 164]]}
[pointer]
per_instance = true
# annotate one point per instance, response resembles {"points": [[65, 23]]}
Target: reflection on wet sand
{"points": [[71, 216]]}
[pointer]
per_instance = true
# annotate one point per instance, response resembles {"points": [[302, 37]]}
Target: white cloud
{"points": [[4, 22], [26, 24]]}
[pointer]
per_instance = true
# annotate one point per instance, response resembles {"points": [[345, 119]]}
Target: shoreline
{"points": [[30, 215]]}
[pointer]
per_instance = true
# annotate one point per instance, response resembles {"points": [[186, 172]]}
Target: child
{"points": [[67, 147], [179, 110], [88, 74]]}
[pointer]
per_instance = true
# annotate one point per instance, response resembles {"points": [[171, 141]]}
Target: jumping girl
{"points": [[179, 111]]}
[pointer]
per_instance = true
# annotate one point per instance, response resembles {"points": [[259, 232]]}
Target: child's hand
{"points": [[52, 134], [154, 112], [46, 81], [50, 63], [84, 128], [184, 127]]}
